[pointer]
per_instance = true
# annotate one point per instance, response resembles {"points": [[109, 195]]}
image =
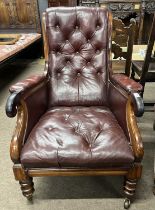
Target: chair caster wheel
{"points": [[127, 203]]}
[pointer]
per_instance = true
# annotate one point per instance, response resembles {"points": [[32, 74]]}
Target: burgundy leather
{"points": [[126, 83], [78, 47], [78, 130], [118, 98], [88, 137], [37, 104], [27, 84], [33, 91]]}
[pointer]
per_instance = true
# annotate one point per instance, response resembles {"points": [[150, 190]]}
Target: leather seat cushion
{"points": [[77, 137]]}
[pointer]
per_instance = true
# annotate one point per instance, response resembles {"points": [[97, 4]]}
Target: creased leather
{"points": [[78, 45], [126, 83], [77, 137], [118, 98], [27, 84], [22, 88]]}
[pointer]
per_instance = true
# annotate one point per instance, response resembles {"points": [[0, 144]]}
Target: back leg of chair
{"points": [[26, 182], [132, 72], [130, 183]]}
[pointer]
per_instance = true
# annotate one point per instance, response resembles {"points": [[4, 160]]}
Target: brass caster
{"points": [[127, 203]]}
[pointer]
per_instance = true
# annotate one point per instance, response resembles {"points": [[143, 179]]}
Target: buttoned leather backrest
{"points": [[78, 41]]}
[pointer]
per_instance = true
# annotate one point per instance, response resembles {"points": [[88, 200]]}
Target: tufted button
{"points": [[88, 62], [77, 52], [78, 74], [97, 27], [97, 51], [77, 27], [67, 41], [58, 74], [98, 72], [68, 62], [50, 128], [88, 40]]}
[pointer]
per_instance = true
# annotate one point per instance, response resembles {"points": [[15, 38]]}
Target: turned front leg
{"points": [[130, 183], [25, 181]]}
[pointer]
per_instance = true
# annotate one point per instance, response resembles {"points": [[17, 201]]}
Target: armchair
{"points": [[78, 118]]}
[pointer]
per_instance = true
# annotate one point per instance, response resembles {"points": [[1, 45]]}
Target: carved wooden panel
{"points": [[89, 3], [19, 14], [149, 6], [122, 9], [56, 3]]}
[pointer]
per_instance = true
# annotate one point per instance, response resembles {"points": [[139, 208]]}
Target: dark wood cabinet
{"points": [[56, 3], [17, 15]]}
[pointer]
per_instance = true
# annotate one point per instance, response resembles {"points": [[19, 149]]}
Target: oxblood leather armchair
{"points": [[78, 118]]}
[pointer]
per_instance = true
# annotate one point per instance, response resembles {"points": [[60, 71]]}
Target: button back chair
{"points": [[78, 118]]}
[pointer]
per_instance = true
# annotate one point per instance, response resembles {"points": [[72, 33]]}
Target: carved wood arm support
{"points": [[28, 100], [126, 104]]}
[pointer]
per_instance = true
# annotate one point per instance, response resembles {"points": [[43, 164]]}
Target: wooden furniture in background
{"points": [[123, 36], [141, 10], [56, 3], [146, 69], [19, 16], [89, 3], [9, 39]]}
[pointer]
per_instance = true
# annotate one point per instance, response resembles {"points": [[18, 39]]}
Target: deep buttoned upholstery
{"points": [[78, 42], [85, 137], [71, 136]]}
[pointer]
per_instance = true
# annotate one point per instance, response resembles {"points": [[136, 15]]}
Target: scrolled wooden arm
{"points": [[19, 133], [138, 104], [24, 102], [135, 137]]}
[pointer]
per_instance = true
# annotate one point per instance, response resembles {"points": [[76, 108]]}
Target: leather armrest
{"points": [[131, 87], [27, 84], [29, 100], [126, 83], [125, 105], [20, 89]]}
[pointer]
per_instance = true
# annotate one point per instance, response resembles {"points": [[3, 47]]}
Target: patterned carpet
{"points": [[69, 193]]}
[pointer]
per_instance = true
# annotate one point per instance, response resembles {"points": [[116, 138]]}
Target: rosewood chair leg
{"points": [[27, 188], [129, 190], [24, 180], [130, 183], [133, 74]]}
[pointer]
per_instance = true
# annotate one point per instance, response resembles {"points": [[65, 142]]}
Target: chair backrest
{"points": [[148, 57], [123, 36], [77, 48]]}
